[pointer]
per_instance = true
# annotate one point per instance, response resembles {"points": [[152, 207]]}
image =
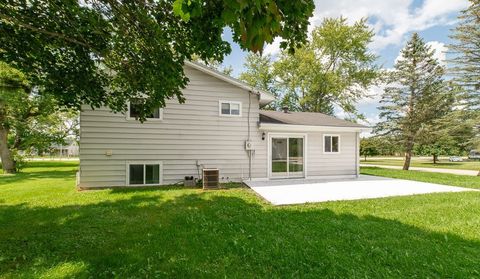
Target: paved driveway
{"points": [[281, 192]]}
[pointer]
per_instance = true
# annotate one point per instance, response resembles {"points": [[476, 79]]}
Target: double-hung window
{"points": [[331, 144], [148, 173], [230, 108]]}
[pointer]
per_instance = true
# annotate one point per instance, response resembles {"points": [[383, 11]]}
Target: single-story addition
{"points": [[221, 125]]}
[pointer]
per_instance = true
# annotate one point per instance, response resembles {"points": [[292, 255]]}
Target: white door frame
{"points": [[286, 135]]}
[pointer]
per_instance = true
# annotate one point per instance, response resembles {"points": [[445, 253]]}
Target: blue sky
{"points": [[393, 22]]}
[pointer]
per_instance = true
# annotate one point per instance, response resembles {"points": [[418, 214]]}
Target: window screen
{"points": [[152, 174], [136, 174], [331, 144], [234, 109], [225, 108]]}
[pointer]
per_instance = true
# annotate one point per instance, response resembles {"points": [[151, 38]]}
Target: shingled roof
{"points": [[304, 118]]}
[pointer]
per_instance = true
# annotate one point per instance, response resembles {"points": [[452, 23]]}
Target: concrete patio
{"points": [[298, 191]]}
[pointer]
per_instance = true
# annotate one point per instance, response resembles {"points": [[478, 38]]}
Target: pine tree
{"points": [[416, 96], [466, 63]]}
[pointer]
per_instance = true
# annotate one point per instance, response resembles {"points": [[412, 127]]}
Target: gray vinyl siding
{"points": [[188, 132], [333, 164]]}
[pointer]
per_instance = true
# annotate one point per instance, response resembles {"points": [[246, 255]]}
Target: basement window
{"points": [[331, 144], [148, 173], [230, 108]]}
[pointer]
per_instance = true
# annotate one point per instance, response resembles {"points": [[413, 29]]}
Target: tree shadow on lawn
{"points": [[204, 235]]}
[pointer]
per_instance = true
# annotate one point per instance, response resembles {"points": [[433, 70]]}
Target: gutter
{"points": [[310, 128]]}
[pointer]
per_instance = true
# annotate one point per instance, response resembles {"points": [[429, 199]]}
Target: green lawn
{"points": [[49, 230], [426, 163], [438, 178]]}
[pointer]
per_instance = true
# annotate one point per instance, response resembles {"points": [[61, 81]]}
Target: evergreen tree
{"points": [[416, 96], [466, 62]]}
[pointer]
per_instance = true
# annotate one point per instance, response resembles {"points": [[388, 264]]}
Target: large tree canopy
{"points": [[259, 74], [334, 68], [27, 119], [107, 52]]}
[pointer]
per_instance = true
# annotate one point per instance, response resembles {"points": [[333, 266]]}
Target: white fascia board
{"points": [[307, 128]]}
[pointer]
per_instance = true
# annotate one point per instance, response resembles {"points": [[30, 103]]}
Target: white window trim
{"points": [[127, 170], [229, 102], [148, 119], [339, 143]]}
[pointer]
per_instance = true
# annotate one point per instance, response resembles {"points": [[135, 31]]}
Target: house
{"points": [[221, 125]]}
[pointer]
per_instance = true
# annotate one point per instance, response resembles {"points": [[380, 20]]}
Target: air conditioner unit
{"points": [[248, 145], [211, 179]]}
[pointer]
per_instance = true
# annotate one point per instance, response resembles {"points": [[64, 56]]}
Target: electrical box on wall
{"points": [[248, 145]]}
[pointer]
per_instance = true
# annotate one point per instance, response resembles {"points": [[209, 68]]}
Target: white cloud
{"points": [[273, 48], [391, 19], [440, 51], [370, 120], [375, 93]]}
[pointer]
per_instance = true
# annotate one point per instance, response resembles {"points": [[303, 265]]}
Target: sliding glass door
{"points": [[287, 158]]}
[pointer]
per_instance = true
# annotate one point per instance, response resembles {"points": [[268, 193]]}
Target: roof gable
{"points": [[265, 97]]}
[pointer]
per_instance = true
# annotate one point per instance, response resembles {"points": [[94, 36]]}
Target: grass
{"points": [[438, 178], [426, 163], [49, 230]]}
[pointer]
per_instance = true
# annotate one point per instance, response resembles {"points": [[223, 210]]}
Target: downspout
{"points": [[357, 154], [249, 137]]}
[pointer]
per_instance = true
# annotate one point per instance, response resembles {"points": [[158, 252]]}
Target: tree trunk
{"points": [[408, 157], [435, 157], [365, 158], [408, 154], [8, 164]]}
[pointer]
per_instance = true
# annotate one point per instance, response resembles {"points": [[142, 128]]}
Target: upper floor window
{"points": [[331, 144], [134, 112], [230, 108]]}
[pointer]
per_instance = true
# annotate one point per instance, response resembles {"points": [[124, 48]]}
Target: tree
{"points": [[259, 74], [415, 97], [369, 147], [334, 68], [294, 79], [216, 65], [27, 119], [105, 52], [466, 62], [435, 143]]}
